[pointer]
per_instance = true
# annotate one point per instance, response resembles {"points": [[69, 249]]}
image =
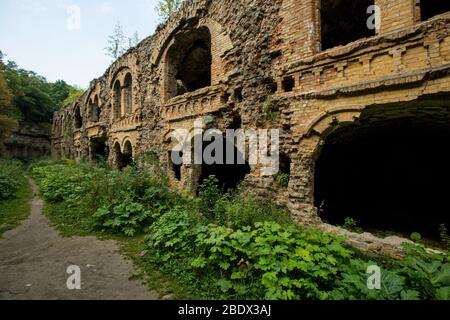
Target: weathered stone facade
{"points": [[263, 54]]}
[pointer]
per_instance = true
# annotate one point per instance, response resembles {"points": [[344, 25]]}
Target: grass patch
{"points": [[15, 209]]}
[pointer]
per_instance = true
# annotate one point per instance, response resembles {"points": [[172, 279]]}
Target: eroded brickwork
{"points": [[262, 54]]}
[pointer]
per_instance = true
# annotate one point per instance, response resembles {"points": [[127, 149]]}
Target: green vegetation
{"points": [[223, 246], [269, 114], [283, 179], [165, 8], [8, 114], [14, 195]]}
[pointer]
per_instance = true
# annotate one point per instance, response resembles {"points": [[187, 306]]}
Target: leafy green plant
{"points": [[9, 184], [126, 216], [283, 180], [209, 195], [353, 284], [229, 246], [352, 225], [415, 236], [268, 112], [243, 209], [427, 273]]}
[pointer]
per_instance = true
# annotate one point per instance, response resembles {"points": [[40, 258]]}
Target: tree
{"points": [[134, 40], [118, 44], [74, 94], [166, 8], [7, 121]]}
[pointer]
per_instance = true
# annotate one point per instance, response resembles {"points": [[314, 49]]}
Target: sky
{"points": [[65, 39]]}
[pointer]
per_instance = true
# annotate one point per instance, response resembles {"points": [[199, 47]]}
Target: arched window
{"points": [[189, 63], [95, 110], [128, 92], [344, 21], [117, 100], [78, 119]]}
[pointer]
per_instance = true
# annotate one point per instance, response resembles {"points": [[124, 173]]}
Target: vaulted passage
{"points": [[389, 175], [344, 21]]}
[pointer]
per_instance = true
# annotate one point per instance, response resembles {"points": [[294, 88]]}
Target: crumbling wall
{"points": [[268, 70]]}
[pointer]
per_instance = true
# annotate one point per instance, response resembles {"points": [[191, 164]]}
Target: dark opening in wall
{"points": [[431, 8], [78, 119], [95, 110], [238, 95], [388, 177], [189, 62], [285, 164], [237, 122], [344, 21], [128, 92], [117, 92], [176, 168], [288, 84], [125, 158], [99, 149], [228, 175]]}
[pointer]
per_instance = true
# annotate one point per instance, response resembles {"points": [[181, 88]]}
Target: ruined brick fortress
{"points": [[311, 68]]}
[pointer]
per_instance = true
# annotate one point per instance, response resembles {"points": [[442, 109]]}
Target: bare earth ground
{"points": [[34, 259]]}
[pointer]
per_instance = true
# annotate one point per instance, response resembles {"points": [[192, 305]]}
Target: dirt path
{"points": [[34, 259]]}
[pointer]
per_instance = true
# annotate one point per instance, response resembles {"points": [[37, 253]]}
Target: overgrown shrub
{"points": [[241, 209], [266, 261], [231, 246], [421, 275], [119, 201]]}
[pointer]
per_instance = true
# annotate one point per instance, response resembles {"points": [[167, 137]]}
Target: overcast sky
{"points": [[44, 35]]}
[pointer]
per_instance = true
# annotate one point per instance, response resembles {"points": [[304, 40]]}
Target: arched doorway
{"points": [[78, 119], [388, 171], [228, 173], [127, 157], [99, 149]]}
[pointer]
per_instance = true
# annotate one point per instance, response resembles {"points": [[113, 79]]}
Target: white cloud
{"points": [[105, 8]]}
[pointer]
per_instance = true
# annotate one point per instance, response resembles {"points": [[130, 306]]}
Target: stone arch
{"points": [[124, 90], [127, 153], [94, 108], [117, 160], [172, 44], [188, 62], [349, 159]]}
